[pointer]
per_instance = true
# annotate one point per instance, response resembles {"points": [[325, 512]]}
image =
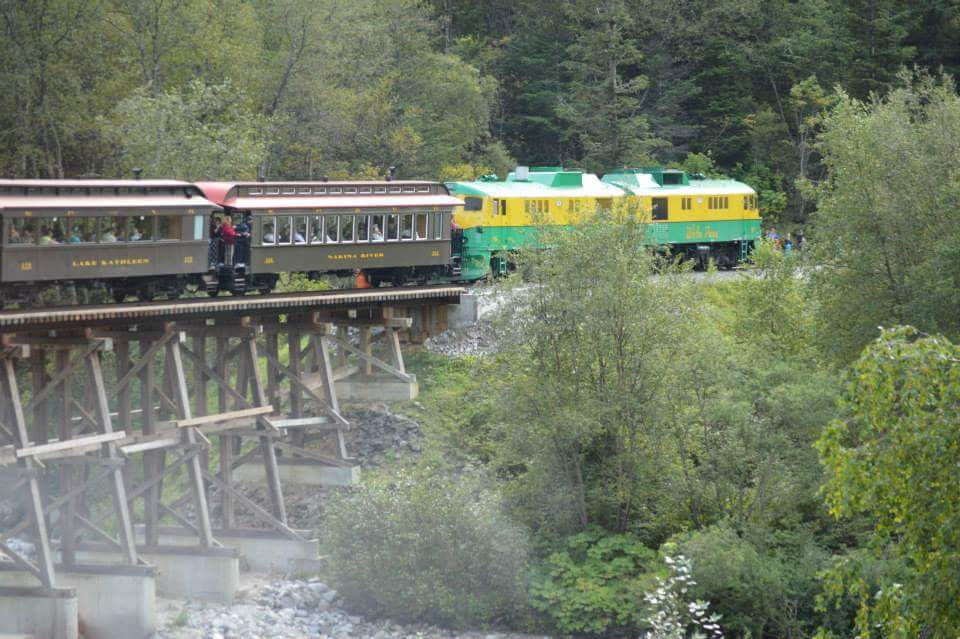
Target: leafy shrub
{"points": [[672, 615], [420, 547], [597, 585]]}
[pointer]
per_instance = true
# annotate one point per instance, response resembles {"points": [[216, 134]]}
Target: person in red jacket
{"points": [[229, 236]]}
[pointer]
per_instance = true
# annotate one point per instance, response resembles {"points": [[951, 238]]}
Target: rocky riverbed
{"points": [[275, 608]]}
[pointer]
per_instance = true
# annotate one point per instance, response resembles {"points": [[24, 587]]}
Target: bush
{"points": [[419, 547], [597, 585]]}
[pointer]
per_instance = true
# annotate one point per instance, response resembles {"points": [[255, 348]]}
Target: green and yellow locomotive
{"points": [[702, 219]]}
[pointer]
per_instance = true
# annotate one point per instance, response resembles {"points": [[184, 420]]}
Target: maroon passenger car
{"points": [[396, 231]]}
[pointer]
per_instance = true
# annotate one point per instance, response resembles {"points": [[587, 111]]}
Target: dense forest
{"points": [[303, 88]]}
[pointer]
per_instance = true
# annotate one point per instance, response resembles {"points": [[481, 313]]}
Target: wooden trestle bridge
{"points": [[117, 400]]}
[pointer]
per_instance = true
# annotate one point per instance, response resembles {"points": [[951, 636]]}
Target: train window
{"points": [[316, 229], [346, 228], [83, 230], [363, 228], [406, 227], [496, 207], [269, 226], [332, 228], [274, 190], [409, 189], [168, 227], [197, 227], [350, 189], [659, 208], [379, 189], [473, 204], [438, 226], [283, 235], [300, 229], [365, 189], [376, 231], [289, 190], [423, 188], [393, 227], [22, 231], [421, 226], [334, 190], [109, 233], [51, 231], [304, 190]]}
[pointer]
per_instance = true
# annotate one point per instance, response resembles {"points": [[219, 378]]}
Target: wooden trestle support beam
{"points": [[257, 400]]}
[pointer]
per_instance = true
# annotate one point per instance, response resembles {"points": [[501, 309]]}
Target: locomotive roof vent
{"points": [[522, 174]]}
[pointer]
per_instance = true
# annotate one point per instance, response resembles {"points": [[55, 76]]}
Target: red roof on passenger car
{"points": [[228, 194]]}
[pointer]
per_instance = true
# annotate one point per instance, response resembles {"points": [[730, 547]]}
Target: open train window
{"points": [[393, 227], [346, 228], [316, 229], [22, 231], [83, 230], [331, 229], [140, 228], [284, 224], [112, 229], [406, 227], [376, 231], [421, 227], [363, 228], [300, 229], [269, 226]]}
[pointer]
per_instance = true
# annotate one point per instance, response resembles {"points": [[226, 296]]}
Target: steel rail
{"points": [[239, 306]]}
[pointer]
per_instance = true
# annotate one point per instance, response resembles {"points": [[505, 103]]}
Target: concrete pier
{"points": [[114, 602], [261, 550], [41, 613], [378, 389], [300, 471], [210, 574]]}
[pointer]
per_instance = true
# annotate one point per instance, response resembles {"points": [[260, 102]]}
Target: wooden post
{"points": [[266, 443], [367, 349], [41, 414], [228, 516], [152, 459], [124, 524], [67, 473], [298, 435], [44, 556], [182, 397]]}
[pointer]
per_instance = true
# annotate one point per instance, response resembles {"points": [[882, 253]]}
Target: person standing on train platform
{"points": [[243, 229], [229, 235]]}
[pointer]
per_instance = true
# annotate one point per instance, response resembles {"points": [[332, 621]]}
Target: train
{"points": [[145, 239], [706, 220]]}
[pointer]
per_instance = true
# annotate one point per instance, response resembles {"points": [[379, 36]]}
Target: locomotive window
{"points": [[406, 227], [109, 233], [363, 228], [346, 228], [283, 237], [496, 207], [22, 231], [438, 226], [376, 233], [269, 225], [83, 230], [473, 204], [331, 228], [316, 229], [659, 208], [393, 227], [421, 227], [300, 229], [168, 227]]}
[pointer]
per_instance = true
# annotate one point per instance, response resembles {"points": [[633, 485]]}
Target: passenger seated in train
{"points": [[377, 234], [268, 235]]}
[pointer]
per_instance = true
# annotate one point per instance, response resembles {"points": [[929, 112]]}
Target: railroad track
{"points": [[195, 308]]}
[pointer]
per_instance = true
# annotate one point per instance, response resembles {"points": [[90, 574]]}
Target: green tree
{"points": [[892, 457], [886, 232], [204, 132], [603, 108]]}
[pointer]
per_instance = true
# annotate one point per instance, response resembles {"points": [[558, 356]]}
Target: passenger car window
{"points": [[316, 229], [376, 231], [269, 236], [284, 235], [22, 231], [109, 233], [300, 229], [331, 228], [82, 230], [168, 227], [363, 226], [346, 228], [421, 226]]}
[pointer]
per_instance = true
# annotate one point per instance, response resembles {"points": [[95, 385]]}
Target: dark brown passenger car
{"points": [[394, 231], [137, 237]]}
